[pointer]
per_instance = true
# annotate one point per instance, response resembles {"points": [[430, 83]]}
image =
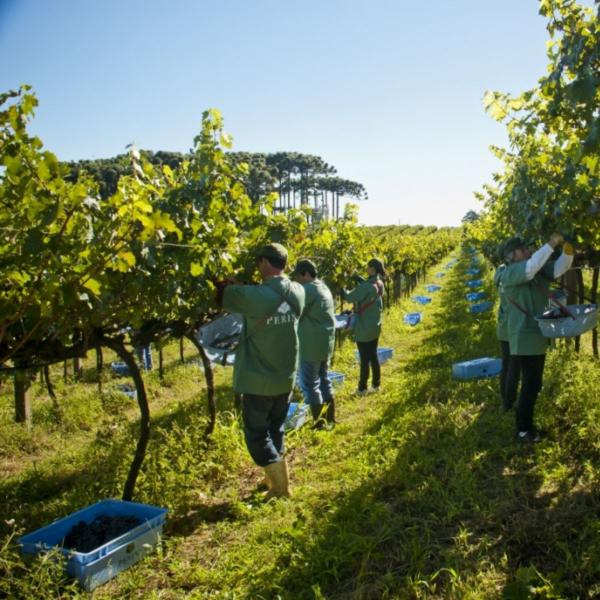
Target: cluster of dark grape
{"points": [[85, 537]]}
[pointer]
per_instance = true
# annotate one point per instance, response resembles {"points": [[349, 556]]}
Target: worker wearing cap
{"points": [[266, 360], [368, 299], [510, 364], [524, 282], [316, 332]]}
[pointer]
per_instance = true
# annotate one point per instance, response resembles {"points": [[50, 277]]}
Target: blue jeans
{"points": [[314, 382], [264, 418]]}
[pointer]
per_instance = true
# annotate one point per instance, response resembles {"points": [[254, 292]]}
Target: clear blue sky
{"points": [[388, 91]]}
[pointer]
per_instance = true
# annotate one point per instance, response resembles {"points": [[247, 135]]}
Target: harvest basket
{"points": [[555, 324], [220, 338]]}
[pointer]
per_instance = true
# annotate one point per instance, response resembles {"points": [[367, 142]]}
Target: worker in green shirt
{"points": [[525, 284], [266, 360], [510, 364], [367, 297], [316, 332]]}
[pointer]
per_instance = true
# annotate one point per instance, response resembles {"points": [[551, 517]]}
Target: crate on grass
{"points": [[481, 307], [383, 354], [335, 377], [477, 368], [475, 296], [440, 274], [433, 288], [422, 299], [475, 283], [473, 271], [296, 415], [412, 318], [119, 368], [100, 564]]}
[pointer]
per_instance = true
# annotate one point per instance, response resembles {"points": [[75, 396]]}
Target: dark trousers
{"points": [[368, 358], [509, 377], [531, 369], [264, 418]]}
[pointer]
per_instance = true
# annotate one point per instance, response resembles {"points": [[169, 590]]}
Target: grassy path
{"points": [[420, 492]]}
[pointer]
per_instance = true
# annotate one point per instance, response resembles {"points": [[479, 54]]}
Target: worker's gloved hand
{"points": [[556, 239], [568, 248]]}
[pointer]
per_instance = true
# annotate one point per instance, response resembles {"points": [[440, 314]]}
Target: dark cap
{"points": [[274, 250], [305, 265], [377, 265], [513, 244]]}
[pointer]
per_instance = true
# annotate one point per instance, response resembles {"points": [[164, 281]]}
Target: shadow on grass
{"points": [[98, 470], [450, 499]]}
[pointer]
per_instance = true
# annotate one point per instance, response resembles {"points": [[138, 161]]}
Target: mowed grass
{"points": [[419, 492]]}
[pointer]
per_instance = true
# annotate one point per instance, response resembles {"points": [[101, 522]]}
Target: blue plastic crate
{"points": [[481, 307], [440, 274], [422, 299], [433, 288], [335, 377], [296, 415], [119, 368], [476, 296], [412, 318], [474, 283], [477, 368], [103, 563], [473, 271], [383, 354]]}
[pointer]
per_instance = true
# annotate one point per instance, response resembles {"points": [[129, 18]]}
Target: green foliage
{"points": [[551, 172]]}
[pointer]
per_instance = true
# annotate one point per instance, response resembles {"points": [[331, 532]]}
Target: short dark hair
{"points": [[276, 263], [310, 270]]}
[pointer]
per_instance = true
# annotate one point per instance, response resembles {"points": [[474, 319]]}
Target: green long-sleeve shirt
{"points": [[524, 334], [266, 358], [368, 320], [317, 324]]}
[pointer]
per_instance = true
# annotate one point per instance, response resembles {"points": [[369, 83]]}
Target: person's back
{"points": [[266, 357], [368, 296], [316, 329]]}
